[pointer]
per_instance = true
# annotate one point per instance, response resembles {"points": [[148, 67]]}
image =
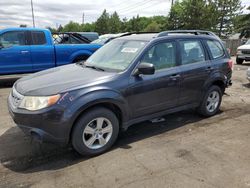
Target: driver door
{"points": [[150, 94], [15, 53]]}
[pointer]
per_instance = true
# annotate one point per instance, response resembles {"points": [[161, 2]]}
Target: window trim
{"points": [[206, 55], [177, 62], [210, 52], [32, 39], [25, 37]]}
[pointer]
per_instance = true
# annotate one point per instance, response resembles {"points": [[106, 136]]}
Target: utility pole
{"points": [[33, 18], [172, 3], [83, 18]]}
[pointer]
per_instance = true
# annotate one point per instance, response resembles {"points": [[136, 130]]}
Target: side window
{"points": [[191, 52], [215, 48], [38, 38], [161, 55], [12, 38]]}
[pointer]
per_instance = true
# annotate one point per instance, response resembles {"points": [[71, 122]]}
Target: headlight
{"points": [[36, 103], [239, 52]]}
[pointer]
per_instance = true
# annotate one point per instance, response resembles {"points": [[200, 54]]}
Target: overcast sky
{"points": [[55, 12]]}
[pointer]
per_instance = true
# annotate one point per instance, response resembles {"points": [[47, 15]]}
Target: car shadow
{"points": [[246, 85], [7, 83], [21, 154]]}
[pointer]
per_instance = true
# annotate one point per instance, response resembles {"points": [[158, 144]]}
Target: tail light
{"points": [[230, 64]]}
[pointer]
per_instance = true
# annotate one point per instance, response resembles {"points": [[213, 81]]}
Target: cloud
{"points": [[55, 12], [52, 13]]}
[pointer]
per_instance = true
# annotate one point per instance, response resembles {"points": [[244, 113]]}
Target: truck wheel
{"points": [[95, 132], [211, 101], [239, 61]]}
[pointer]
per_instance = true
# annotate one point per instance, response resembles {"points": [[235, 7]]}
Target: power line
{"points": [[132, 6], [136, 7]]}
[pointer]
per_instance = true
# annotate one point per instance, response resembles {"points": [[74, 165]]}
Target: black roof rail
{"points": [[194, 32]]}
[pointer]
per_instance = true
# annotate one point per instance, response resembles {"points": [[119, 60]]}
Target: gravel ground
{"points": [[183, 151]]}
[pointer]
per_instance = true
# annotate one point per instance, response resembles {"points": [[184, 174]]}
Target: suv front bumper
{"points": [[46, 125]]}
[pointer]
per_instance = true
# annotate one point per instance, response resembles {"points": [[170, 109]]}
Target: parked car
{"points": [[129, 80], [243, 53], [69, 38], [248, 74], [89, 35], [25, 50], [103, 39]]}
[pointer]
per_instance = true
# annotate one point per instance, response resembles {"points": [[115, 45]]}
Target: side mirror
{"points": [[145, 68]]}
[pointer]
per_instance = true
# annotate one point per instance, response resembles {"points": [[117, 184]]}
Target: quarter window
{"points": [[215, 48], [12, 38], [191, 52], [161, 55], [38, 38]]}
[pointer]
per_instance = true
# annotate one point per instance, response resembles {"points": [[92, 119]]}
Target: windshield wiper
{"points": [[94, 67]]}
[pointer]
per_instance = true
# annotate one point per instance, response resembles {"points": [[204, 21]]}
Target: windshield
{"points": [[248, 42], [116, 55]]}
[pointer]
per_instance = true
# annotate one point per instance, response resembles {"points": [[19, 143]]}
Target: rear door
{"points": [[42, 51], [15, 54], [195, 69], [158, 92]]}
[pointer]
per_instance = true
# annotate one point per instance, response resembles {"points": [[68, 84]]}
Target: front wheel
{"points": [[239, 61], [95, 132], [211, 101]]}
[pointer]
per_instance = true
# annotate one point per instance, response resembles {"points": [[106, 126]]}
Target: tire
{"points": [[90, 135], [210, 104], [239, 61]]}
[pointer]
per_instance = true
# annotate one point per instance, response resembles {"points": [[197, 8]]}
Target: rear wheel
{"points": [[239, 61], [95, 132], [211, 101]]}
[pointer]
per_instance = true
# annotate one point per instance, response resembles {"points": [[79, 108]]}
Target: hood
{"points": [[59, 79], [244, 47]]}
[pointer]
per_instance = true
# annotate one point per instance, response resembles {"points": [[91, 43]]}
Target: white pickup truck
{"points": [[243, 53]]}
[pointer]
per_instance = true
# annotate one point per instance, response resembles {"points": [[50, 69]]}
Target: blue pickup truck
{"points": [[26, 50]]}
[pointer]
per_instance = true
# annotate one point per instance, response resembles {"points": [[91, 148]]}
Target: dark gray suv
{"points": [[129, 80]]}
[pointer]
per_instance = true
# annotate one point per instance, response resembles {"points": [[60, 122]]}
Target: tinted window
{"points": [[12, 38], [38, 38], [161, 55], [215, 48], [191, 51]]}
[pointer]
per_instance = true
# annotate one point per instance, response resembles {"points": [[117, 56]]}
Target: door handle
{"points": [[24, 52], [175, 76], [209, 69]]}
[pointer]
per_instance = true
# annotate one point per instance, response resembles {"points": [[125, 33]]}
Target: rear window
{"points": [[191, 52], [38, 38], [215, 48]]}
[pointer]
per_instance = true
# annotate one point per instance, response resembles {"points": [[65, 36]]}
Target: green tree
{"points": [[115, 23], [102, 23], [72, 26], [243, 25], [192, 14], [153, 27], [227, 10]]}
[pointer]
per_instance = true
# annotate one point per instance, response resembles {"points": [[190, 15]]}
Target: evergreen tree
{"points": [[102, 23], [115, 23]]}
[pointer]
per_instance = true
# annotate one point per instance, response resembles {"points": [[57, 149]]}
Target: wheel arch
{"points": [[116, 109]]}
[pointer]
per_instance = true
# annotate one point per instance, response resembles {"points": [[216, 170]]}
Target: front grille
{"points": [[246, 51], [15, 97]]}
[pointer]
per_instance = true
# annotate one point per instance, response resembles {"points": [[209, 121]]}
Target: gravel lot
{"points": [[184, 151]]}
